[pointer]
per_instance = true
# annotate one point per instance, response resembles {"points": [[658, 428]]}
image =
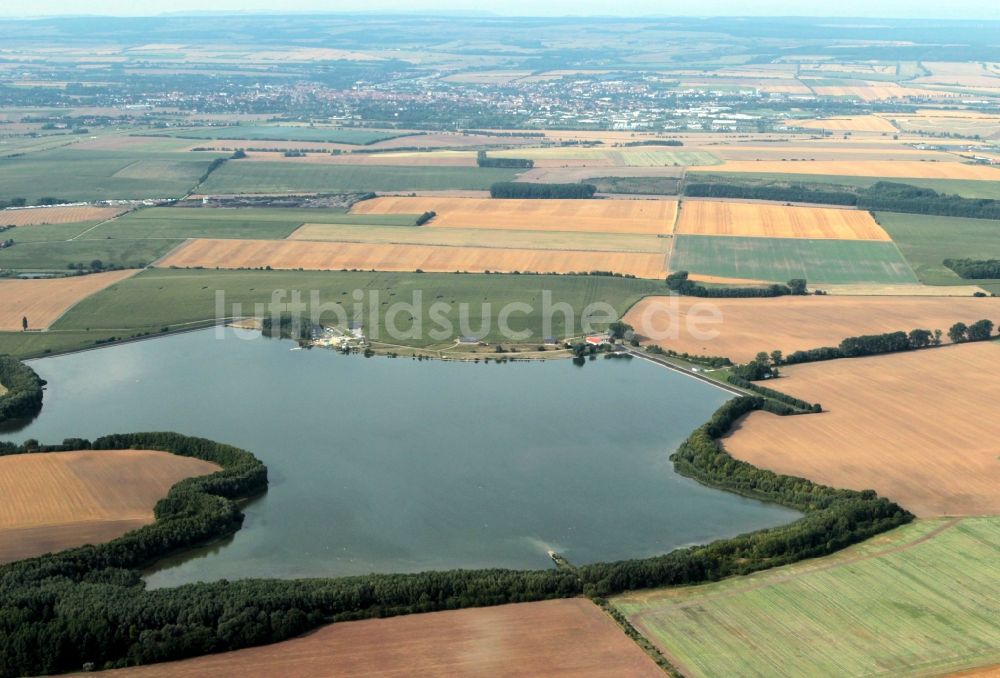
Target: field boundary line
{"points": [[78, 235], [71, 307]]}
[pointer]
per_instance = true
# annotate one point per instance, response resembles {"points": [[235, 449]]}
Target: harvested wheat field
{"points": [[848, 123], [56, 215], [651, 217], [748, 326], [918, 427], [890, 168], [552, 638], [62, 499], [710, 217], [335, 256], [42, 302]]}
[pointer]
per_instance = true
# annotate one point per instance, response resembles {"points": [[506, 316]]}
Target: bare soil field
{"points": [[889, 168], [748, 326], [551, 638], [63, 499], [56, 215], [335, 256], [848, 123], [918, 427], [709, 217], [480, 237], [650, 217], [42, 302]]}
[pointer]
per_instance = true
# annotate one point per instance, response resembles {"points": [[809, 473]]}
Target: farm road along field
{"points": [[293, 254], [709, 217], [557, 637], [62, 499], [921, 600], [43, 301], [748, 326], [918, 427], [649, 217], [872, 168]]}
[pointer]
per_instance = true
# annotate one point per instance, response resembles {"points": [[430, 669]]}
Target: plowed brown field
{"points": [[335, 256], [62, 499], [707, 217], [918, 427], [748, 326], [649, 217], [43, 301], [551, 638]]}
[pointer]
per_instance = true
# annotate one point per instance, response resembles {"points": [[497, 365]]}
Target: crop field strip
{"points": [[59, 256], [780, 259], [897, 169], [918, 601], [482, 237], [849, 123], [58, 500], [290, 177], [749, 326], [262, 133], [718, 218], [914, 426], [56, 215], [926, 241], [649, 217], [555, 637], [43, 301], [963, 187], [295, 254]]}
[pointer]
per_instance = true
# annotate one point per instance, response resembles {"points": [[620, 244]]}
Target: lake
{"points": [[397, 465]]}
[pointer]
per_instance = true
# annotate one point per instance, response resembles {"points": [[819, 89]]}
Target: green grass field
{"points": [[289, 177], [47, 232], [251, 222], [926, 241], [57, 256], [288, 133], [963, 187], [78, 175], [160, 297], [780, 259], [922, 600]]}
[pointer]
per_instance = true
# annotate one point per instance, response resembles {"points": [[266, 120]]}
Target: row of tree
{"points": [[23, 397], [974, 268], [679, 282], [887, 196], [483, 160], [533, 191], [891, 342]]}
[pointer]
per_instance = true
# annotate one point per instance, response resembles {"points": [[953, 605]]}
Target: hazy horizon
{"points": [[883, 9]]}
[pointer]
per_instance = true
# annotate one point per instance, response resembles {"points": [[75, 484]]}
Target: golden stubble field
{"points": [[709, 217], [649, 217], [56, 215], [58, 500], [743, 327], [917, 427], [335, 256], [865, 168], [44, 301], [552, 638], [847, 123]]}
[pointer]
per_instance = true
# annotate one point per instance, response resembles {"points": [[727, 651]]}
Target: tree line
{"points": [[885, 196], [892, 342], [680, 283], [483, 160], [533, 191], [23, 398], [974, 268]]}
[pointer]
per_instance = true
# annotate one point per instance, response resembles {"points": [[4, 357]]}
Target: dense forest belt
{"points": [[975, 268], [22, 397], [537, 191], [886, 196], [88, 608]]}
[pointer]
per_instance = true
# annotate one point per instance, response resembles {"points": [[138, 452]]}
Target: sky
{"points": [[917, 9]]}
